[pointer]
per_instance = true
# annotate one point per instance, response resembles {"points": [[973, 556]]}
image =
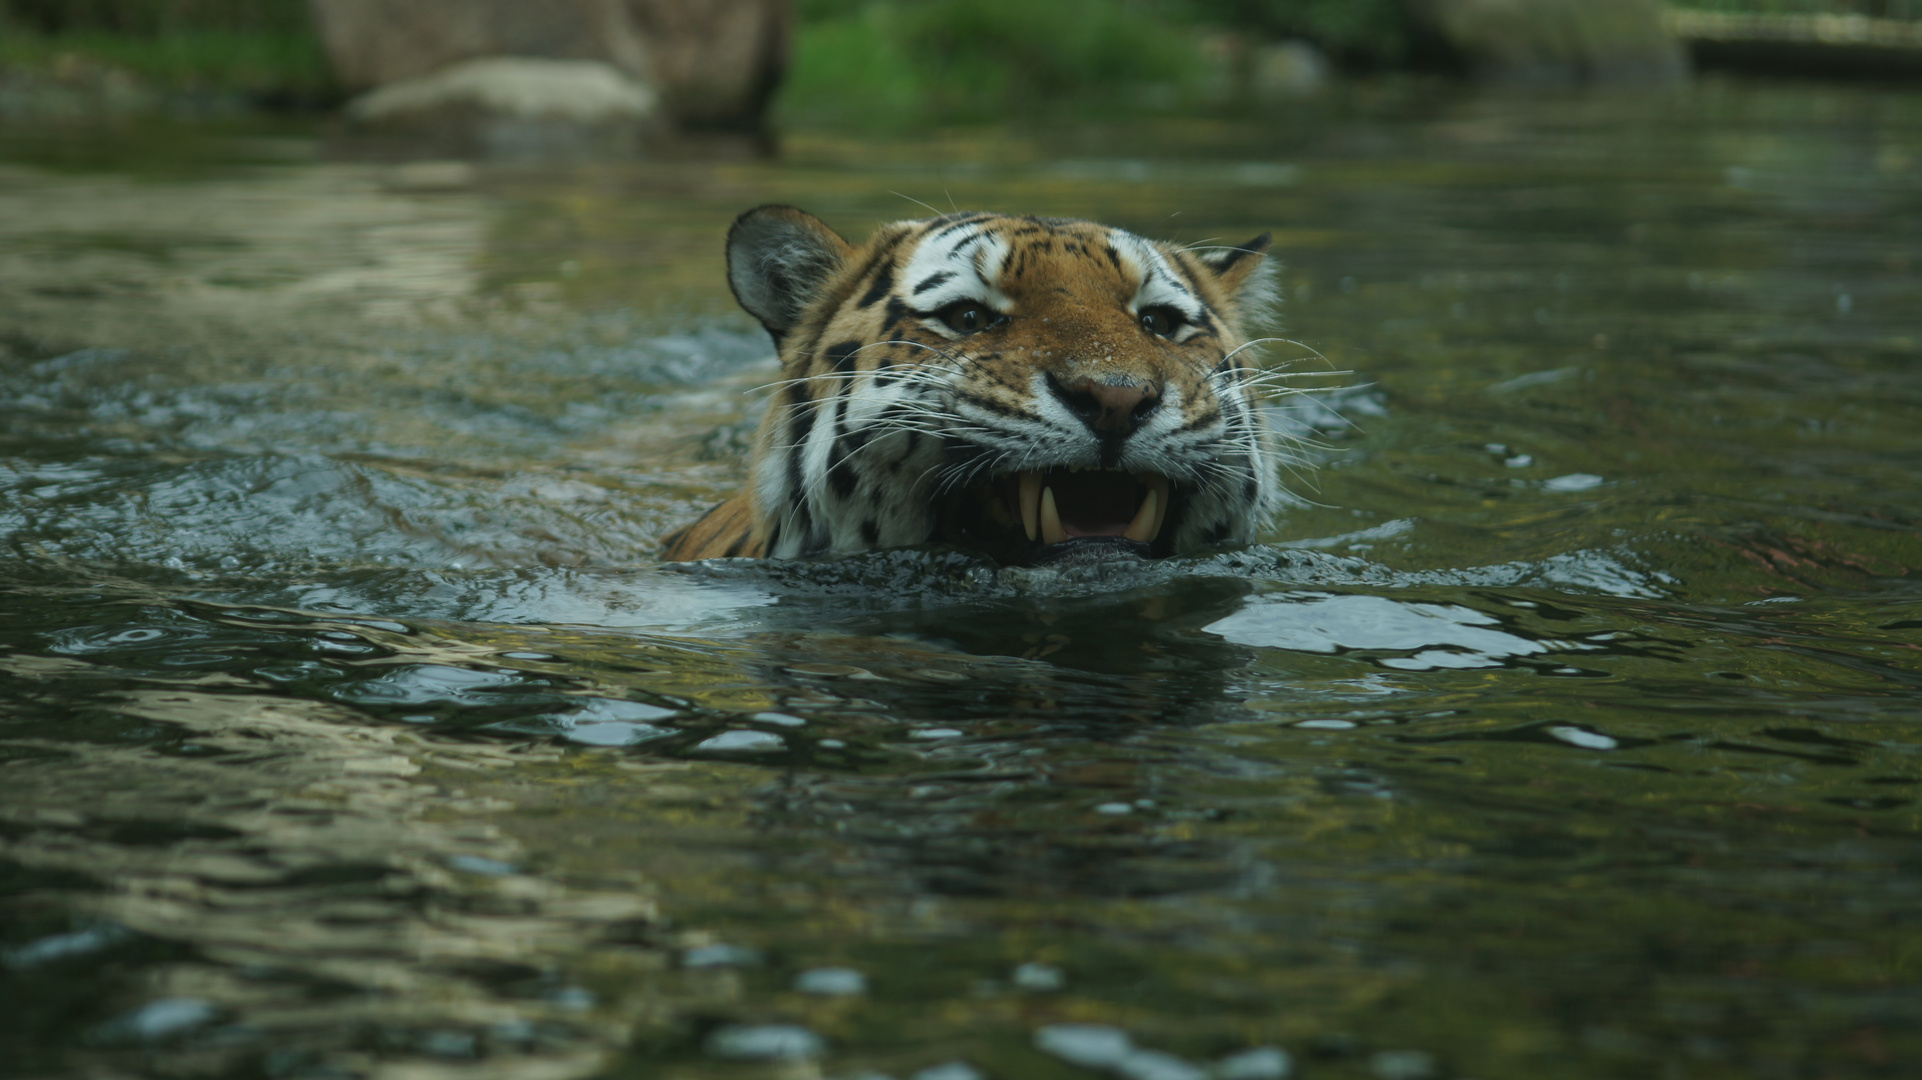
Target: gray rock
{"points": [[1286, 69], [513, 108], [715, 63]]}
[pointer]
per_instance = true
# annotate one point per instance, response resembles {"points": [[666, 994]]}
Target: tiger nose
{"points": [[1110, 409]]}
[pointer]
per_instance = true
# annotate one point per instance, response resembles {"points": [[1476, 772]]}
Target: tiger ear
{"points": [[778, 258], [1245, 272]]}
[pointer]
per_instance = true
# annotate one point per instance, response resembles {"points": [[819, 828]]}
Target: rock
{"points": [[714, 63], [1620, 41], [512, 108], [375, 42], [1287, 69]]}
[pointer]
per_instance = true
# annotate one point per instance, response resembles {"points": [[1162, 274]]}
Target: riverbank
{"points": [[890, 63]]}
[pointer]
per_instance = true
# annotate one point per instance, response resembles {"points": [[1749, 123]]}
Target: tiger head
{"points": [[1018, 386]]}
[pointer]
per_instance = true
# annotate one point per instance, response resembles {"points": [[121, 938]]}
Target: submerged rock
{"points": [[509, 107]]}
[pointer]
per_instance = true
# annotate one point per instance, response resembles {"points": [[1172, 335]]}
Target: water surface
{"points": [[1568, 726]]}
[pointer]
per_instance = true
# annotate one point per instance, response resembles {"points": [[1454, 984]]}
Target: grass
{"points": [[895, 63], [262, 66], [154, 18], [260, 50], [1360, 33]]}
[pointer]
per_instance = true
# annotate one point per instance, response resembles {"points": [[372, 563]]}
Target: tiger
{"points": [[1014, 386]]}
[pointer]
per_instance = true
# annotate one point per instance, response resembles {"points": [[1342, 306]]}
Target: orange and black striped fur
{"points": [[1006, 384]]}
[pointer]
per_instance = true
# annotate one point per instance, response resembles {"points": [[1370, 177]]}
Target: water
{"points": [[1567, 728]]}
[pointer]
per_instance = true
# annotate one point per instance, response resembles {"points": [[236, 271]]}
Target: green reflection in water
{"points": [[350, 728]]}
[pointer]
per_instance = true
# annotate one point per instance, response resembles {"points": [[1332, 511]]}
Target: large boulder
{"points": [[1602, 41], [714, 63]]}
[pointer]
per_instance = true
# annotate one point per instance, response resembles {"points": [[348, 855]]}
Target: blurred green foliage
{"points": [[903, 60], [878, 61], [155, 18], [269, 69], [1370, 33], [263, 50]]}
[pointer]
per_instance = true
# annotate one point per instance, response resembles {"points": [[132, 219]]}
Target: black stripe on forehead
{"points": [[1175, 281], [956, 227], [881, 265]]}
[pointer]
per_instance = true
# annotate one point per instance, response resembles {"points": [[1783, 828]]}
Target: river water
{"points": [[1569, 726]]}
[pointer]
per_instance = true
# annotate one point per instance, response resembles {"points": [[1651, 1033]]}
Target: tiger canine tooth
{"points": [[1030, 500], [1051, 530], [1147, 519], [1161, 489]]}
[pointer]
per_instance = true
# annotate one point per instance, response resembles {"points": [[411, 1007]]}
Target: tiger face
{"points": [[1018, 386]]}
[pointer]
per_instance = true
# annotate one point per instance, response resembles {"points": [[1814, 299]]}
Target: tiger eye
{"points": [[966, 317], [1161, 320]]}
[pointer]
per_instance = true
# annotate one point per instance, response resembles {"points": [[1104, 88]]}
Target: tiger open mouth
{"points": [[1022, 517]]}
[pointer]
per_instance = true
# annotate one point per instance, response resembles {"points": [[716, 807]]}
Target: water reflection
{"points": [[285, 880], [1433, 635]]}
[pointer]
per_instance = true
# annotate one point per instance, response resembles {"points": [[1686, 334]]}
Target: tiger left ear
{"points": [[778, 258], [1245, 271]]}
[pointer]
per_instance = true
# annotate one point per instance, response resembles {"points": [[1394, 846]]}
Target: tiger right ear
{"points": [[778, 258]]}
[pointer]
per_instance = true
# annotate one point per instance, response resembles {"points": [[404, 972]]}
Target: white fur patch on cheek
{"points": [[816, 456], [869, 399]]}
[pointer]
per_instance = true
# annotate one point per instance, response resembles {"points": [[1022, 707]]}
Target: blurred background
{"points": [[900, 62]]}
